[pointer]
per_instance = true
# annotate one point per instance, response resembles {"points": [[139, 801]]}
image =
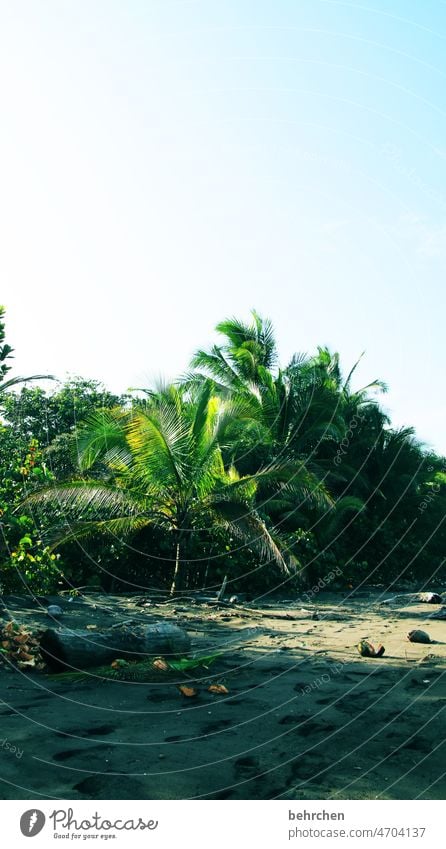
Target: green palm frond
{"points": [[241, 336], [237, 331], [80, 496], [251, 530], [160, 443], [343, 509], [119, 528], [217, 367], [6, 385], [204, 415], [139, 670], [236, 488], [103, 437], [347, 504], [295, 479]]}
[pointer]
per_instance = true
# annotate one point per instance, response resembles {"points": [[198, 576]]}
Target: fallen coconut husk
{"points": [[417, 636], [367, 649]]}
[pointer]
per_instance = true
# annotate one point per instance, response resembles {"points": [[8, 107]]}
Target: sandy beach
{"points": [[305, 715]]}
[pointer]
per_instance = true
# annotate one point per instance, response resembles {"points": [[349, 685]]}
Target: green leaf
{"points": [[184, 663]]}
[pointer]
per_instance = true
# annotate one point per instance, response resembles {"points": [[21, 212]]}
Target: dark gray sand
{"points": [[305, 718]]}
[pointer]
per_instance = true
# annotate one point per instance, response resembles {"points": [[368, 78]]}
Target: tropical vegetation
{"points": [[268, 477]]}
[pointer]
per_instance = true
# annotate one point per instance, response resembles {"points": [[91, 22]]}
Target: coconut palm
{"points": [[237, 365], [164, 468], [327, 370], [289, 411], [284, 416]]}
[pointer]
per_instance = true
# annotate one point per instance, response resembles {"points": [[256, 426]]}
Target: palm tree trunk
{"points": [[221, 592], [179, 572]]}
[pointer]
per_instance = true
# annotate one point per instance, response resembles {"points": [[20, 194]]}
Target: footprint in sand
{"points": [[291, 719], [156, 696], [306, 768], [94, 731], [311, 726], [110, 787], [246, 767], [71, 753], [418, 744], [219, 725]]}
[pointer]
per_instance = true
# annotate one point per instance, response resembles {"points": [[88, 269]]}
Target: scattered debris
{"points": [[161, 664], [367, 649], [189, 692], [19, 647], [124, 623], [219, 689]]}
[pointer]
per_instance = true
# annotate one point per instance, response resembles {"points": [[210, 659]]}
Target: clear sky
{"points": [[165, 164]]}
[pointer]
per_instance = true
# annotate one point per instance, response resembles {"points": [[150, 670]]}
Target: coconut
{"points": [[418, 637]]}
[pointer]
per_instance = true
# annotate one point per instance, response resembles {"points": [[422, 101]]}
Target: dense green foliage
{"points": [[276, 477]]}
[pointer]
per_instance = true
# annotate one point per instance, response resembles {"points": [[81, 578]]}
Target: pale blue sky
{"points": [[166, 164]]}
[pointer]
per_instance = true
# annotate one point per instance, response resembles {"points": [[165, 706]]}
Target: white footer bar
{"points": [[222, 824]]}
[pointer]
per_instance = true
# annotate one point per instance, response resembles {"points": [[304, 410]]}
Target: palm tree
{"points": [[283, 415], [288, 410], [238, 364], [164, 469], [327, 370], [298, 416]]}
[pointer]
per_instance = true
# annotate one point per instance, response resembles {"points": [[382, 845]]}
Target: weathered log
{"points": [[67, 649], [439, 614], [414, 598]]}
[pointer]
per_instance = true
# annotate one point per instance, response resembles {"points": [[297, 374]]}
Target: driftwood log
{"points": [[66, 649], [413, 598]]}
